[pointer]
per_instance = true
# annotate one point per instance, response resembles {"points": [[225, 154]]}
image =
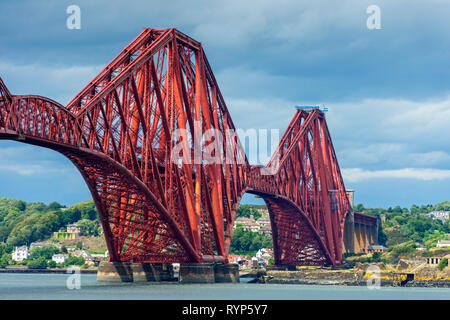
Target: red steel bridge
{"points": [[122, 132]]}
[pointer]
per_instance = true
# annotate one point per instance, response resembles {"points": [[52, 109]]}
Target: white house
{"points": [[440, 215], [72, 228], [59, 258], [20, 253], [443, 243], [264, 220], [264, 254]]}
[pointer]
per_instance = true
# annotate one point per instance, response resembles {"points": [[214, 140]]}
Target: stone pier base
{"points": [[147, 272], [115, 272], [144, 272], [134, 272], [226, 273], [196, 273]]}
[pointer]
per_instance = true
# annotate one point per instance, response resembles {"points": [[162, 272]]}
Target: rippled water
{"points": [[53, 286]]}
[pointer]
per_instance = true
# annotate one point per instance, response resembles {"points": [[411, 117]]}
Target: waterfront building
{"points": [[434, 261], [59, 258], [98, 257], [20, 253], [82, 253], [374, 248], [263, 256]]}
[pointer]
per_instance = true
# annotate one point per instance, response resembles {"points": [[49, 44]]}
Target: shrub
{"points": [[72, 260], [46, 251], [51, 264], [39, 263], [443, 263], [376, 256]]}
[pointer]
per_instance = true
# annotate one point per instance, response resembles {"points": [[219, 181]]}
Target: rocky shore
{"points": [[383, 282], [429, 283], [361, 275]]}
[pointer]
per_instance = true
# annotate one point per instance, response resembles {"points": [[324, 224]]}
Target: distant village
{"points": [[72, 232], [262, 258], [261, 225]]}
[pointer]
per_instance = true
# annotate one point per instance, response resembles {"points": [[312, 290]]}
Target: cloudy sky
{"points": [[387, 89]]}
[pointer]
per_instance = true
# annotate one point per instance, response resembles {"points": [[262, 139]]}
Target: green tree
{"points": [[68, 216], [248, 241], [51, 264], [414, 209], [46, 252], [39, 263], [443, 263], [397, 209], [5, 259], [54, 206], [88, 227], [72, 260], [376, 256], [246, 210]]}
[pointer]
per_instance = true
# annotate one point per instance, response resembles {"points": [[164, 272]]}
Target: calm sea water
{"points": [[53, 286]]}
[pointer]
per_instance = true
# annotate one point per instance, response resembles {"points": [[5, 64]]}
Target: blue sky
{"points": [[387, 90]]}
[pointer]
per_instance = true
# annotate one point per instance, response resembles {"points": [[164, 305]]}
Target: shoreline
{"points": [[264, 279], [62, 270], [362, 283], [349, 278]]}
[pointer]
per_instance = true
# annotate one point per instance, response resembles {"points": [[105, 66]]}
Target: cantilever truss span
{"points": [[132, 133]]}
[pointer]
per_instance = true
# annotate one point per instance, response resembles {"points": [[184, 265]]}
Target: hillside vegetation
{"points": [[25, 222], [402, 230], [401, 225]]}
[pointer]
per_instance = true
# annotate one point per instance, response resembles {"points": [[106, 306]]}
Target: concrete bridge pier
{"points": [[366, 231], [348, 238], [226, 273], [196, 273], [134, 272], [208, 273], [148, 272], [115, 272], [360, 231]]}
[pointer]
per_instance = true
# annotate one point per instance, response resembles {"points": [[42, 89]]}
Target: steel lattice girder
{"points": [[119, 132]]}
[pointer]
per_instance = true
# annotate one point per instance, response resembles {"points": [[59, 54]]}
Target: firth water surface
{"points": [[53, 286]]}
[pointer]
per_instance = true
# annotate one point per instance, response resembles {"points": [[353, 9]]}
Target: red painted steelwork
{"points": [[119, 132]]}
